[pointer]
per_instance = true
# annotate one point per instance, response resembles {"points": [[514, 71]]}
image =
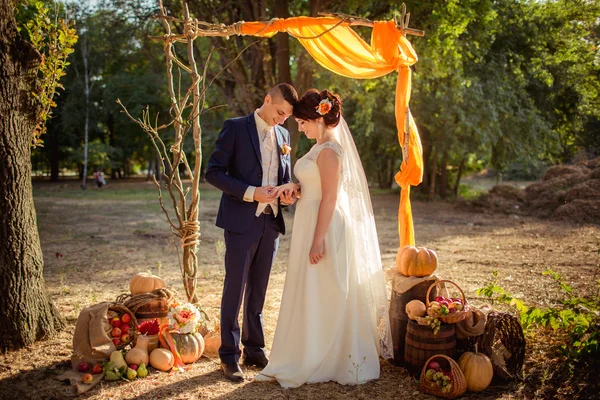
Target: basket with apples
{"points": [[448, 310], [122, 325], [441, 376]]}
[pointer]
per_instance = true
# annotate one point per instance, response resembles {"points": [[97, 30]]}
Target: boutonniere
{"points": [[286, 149]]}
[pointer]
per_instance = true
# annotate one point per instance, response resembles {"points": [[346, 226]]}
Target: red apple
{"points": [[87, 378], [444, 303], [133, 367], [116, 332], [97, 369], [117, 341], [84, 367], [439, 299], [115, 322], [125, 328], [452, 310], [125, 338], [434, 365], [125, 318]]}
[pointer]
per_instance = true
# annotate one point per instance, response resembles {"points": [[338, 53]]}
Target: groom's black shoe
{"points": [[258, 359], [233, 372]]}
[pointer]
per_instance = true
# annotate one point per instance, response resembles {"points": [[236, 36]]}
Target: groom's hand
{"points": [[264, 194]]}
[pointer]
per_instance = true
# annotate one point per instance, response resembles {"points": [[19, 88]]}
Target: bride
{"points": [[333, 323]]}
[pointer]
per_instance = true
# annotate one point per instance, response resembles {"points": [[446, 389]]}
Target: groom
{"points": [[251, 157]]}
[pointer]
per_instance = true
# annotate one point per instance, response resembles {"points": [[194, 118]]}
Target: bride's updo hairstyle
{"points": [[309, 105]]}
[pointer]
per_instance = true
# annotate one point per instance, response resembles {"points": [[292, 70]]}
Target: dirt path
{"points": [[108, 235]]}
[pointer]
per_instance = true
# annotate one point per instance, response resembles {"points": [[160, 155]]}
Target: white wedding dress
{"points": [[327, 330]]}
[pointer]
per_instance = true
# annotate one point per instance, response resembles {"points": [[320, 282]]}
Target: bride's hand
{"points": [[317, 252], [287, 192]]}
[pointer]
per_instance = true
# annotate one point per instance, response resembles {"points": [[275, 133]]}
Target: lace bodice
{"points": [[307, 171]]}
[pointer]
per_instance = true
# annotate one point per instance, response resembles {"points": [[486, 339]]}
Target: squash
{"points": [[189, 345], [478, 370], [162, 359], [145, 282], [139, 354], [413, 261], [415, 308]]}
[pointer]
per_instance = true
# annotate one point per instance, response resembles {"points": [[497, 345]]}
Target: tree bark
{"points": [[27, 311]]}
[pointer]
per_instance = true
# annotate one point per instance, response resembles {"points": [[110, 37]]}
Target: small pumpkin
{"points": [[162, 359], [416, 261], [189, 345], [145, 282], [478, 370], [415, 308], [212, 342]]}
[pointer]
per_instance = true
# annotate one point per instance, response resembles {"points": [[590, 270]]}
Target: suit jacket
{"points": [[236, 164]]}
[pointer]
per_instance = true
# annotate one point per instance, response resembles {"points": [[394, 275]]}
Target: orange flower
{"points": [[286, 149], [324, 106]]}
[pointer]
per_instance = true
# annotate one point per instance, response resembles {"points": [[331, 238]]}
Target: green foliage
{"points": [[53, 37], [576, 316]]}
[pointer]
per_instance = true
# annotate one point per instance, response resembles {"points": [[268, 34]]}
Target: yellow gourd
{"points": [[139, 354], [162, 359], [478, 370], [415, 308]]}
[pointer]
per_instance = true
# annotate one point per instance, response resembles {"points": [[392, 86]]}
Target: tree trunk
{"points": [[459, 175], [27, 311], [86, 89], [444, 175], [432, 175], [54, 155]]}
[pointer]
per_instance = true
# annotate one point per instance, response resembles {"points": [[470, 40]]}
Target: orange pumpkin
{"points": [[145, 282], [478, 370], [413, 261], [189, 345]]}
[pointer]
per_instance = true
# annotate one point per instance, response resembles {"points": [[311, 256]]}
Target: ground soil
{"points": [[107, 235]]}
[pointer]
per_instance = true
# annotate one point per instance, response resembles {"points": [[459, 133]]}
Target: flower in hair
{"points": [[324, 106]]}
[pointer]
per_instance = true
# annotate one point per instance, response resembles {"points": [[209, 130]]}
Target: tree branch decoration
{"points": [[185, 115]]}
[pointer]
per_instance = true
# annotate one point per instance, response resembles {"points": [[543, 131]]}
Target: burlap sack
{"points": [[91, 343]]}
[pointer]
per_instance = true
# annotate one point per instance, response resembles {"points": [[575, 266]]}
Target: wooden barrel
{"points": [[155, 309], [421, 344], [398, 317]]}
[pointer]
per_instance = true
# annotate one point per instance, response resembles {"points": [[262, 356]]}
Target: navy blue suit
{"points": [[251, 242]]}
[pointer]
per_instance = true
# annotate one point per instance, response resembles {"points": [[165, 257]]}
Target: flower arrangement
{"points": [[324, 106], [184, 317], [286, 149]]}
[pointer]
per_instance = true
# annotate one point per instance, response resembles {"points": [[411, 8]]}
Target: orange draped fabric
{"points": [[342, 51]]}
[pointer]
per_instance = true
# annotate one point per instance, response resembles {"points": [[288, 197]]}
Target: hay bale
{"points": [[508, 193], [558, 171], [580, 210], [548, 188], [589, 189]]}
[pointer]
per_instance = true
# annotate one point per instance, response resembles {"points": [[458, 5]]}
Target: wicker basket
{"points": [[121, 309], [454, 317], [459, 382], [504, 343]]}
